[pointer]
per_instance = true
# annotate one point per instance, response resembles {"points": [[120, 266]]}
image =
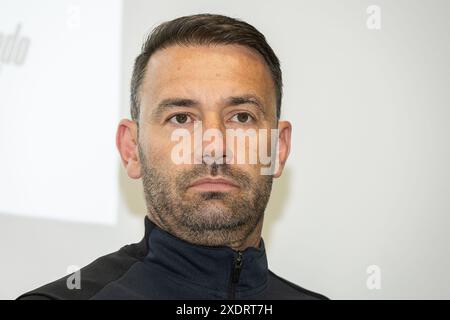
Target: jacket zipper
{"points": [[237, 266]]}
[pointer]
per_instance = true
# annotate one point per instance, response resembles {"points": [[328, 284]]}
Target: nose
{"points": [[212, 148]]}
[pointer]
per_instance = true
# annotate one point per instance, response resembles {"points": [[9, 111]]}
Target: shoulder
{"points": [[281, 288], [93, 277]]}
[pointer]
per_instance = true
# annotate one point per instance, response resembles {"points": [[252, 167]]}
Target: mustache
{"points": [[203, 170]]}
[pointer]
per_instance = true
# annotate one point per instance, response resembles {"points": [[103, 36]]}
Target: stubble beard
{"points": [[205, 218]]}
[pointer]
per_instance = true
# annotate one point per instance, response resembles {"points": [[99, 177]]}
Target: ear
{"points": [[127, 144], [284, 145]]}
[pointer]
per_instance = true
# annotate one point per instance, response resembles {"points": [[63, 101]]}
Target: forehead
{"points": [[206, 73]]}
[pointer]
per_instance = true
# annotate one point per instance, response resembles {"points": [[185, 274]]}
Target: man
{"points": [[214, 76]]}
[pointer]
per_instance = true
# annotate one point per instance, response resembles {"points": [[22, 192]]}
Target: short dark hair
{"points": [[203, 29]]}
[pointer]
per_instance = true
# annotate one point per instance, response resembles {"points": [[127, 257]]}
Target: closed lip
{"points": [[213, 181]]}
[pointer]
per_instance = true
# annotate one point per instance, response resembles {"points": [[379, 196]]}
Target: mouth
{"points": [[210, 184]]}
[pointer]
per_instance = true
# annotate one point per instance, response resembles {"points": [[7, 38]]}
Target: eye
{"points": [[180, 118], [243, 117]]}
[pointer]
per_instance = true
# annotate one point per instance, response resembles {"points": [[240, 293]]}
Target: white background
{"points": [[58, 111], [367, 182]]}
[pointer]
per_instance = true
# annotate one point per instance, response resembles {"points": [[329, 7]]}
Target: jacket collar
{"points": [[210, 267]]}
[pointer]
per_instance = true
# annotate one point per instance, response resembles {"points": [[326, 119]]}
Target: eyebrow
{"points": [[246, 99], [184, 102]]}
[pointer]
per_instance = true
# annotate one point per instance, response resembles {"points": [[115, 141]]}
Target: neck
{"points": [[253, 239]]}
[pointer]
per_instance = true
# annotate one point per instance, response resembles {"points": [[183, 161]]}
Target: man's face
{"points": [[185, 84]]}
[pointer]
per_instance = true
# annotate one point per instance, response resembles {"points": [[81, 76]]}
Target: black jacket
{"points": [[162, 266]]}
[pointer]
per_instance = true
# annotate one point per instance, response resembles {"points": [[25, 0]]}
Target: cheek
{"points": [[253, 172], [157, 147], [159, 158], [266, 141], [253, 152]]}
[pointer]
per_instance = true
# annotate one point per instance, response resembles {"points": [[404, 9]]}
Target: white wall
{"points": [[367, 182], [70, 202], [60, 92]]}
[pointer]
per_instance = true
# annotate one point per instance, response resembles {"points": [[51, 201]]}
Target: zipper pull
{"points": [[237, 267]]}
